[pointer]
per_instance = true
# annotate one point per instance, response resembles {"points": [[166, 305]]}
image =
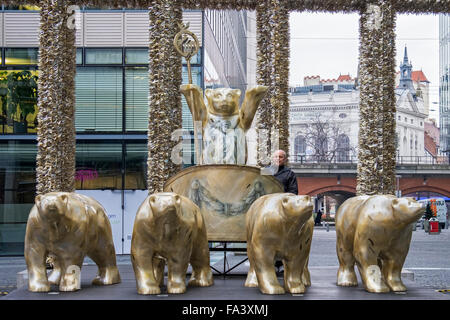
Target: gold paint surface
{"points": [[66, 227], [223, 193], [375, 233], [279, 227], [169, 228]]}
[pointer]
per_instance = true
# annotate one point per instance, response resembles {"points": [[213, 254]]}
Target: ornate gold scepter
{"points": [[187, 45]]}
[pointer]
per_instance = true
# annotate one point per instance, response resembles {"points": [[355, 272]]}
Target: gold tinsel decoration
{"points": [[55, 161], [263, 77], [164, 96], [400, 6], [376, 149], [280, 73]]}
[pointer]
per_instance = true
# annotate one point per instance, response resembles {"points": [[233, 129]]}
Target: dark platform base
{"points": [[225, 288]]}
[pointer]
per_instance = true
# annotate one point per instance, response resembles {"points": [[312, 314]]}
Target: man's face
{"points": [[279, 158]]}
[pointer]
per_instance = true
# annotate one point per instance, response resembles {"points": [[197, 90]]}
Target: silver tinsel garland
{"points": [[280, 73], [55, 161], [376, 157], [164, 96], [264, 117]]}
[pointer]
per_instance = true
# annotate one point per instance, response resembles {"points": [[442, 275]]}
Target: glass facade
{"points": [[444, 81]]}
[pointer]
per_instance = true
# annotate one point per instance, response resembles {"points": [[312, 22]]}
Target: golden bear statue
{"points": [[169, 227], [224, 125], [66, 227], [279, 226], [375, 233]]}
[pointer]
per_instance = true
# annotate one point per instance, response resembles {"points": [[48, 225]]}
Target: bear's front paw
{"points": [[272, 289], [299, 288], [109, 276], [396, 286], [149, 290], [347, 278], [202, 279], [39, 286], [251, 283], [176, 288]]}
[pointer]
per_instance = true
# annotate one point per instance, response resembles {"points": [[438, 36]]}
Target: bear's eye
{"points": [[229, 95]]}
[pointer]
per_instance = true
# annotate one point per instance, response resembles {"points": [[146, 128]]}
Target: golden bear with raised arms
{"points": [[279, 227], [375, 233], [169, 227], [67, 227], [224, 125]]}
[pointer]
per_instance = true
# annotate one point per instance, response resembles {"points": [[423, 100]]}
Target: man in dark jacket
{"points": [[282, 173], [286, 177]]}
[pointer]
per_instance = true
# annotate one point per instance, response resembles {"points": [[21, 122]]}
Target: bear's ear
{"points": [[177, 199], [64, 198], [236, 93], [151, 200], [395, 202], [208, 93], [285, 201], [37, 201]]}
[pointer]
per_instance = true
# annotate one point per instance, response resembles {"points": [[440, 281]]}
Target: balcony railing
{"points": [[401, 160]]}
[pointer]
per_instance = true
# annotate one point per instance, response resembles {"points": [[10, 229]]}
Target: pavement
{"points": [[428, 258]]}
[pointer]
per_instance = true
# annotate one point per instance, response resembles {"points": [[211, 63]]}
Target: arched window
{"points": [[300, 145], [343, 148], [321, 148]]}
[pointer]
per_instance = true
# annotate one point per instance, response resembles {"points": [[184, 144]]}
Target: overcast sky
{"points": [[327, 44]]}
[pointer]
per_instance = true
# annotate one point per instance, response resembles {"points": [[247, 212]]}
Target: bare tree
{"points": [[327, 140]]}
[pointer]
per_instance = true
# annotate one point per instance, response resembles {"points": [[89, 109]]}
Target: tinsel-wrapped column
{"points": [[264, 117], [164, 96], [280, 73], [55, 162], [376, 149]]}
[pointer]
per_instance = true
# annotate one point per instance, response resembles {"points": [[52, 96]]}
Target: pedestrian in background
{"points": [[318, 219]]}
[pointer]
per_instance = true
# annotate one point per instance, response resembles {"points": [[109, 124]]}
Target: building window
{"points": [[136, 56], [21, 56], [300, 145], [98, 93], [412, 121], [343, 148], [103, 56], [136, 93], [321, 148], [18, 100]]}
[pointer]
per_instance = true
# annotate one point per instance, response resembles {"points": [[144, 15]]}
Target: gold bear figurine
{"points": [[375, 232], [169, 227], [279, 227], [66, 227], [224, 125]]}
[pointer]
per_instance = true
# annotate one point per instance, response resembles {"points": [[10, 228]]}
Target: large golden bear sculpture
{"points": [[279, 226], [375, 232], [169, 227], [67, 227]]}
